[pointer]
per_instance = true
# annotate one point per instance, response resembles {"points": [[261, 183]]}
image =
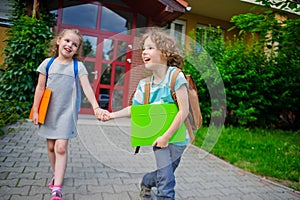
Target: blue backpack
{"points": [[78, 89]]}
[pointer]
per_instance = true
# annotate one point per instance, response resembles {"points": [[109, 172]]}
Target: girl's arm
{"points": [[89, 93], [39, 90], [183, 111]]}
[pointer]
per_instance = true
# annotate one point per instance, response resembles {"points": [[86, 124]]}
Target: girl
{"points": [[61, 119], [161, 55]]}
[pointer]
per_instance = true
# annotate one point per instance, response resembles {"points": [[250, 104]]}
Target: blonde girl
{"points": [[61, 119]]}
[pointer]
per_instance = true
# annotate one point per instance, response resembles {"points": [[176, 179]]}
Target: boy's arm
{"points": [[183, 111], [125, 112]]}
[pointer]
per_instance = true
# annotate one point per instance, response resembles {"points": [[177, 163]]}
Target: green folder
{"points": [[150, 121]]}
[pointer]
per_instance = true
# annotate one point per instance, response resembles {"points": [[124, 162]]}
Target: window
{"points": [[87, 12], [118, 21], [89, 46], [5, 11], [205, 34], [178, 28]]}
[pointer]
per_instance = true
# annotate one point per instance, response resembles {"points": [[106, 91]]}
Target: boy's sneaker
{"points": [[145, 192], [56, 195]]}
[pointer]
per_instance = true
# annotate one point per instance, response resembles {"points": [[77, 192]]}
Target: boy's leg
{"points": [[165, 179], [149, 179], [162, 178], [167, 160], [176, 153], [61, 155]]}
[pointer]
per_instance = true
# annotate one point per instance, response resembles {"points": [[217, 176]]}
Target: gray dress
{"points": [[61, 119]]}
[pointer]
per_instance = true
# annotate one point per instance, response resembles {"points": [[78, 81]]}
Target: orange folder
{"points": [[43, 107]]}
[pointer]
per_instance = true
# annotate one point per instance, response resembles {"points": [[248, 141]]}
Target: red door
{"points": [[107, 62], [106, 50], [112, 87]]}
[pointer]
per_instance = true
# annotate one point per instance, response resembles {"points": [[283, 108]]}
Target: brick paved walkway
{"points": [[99, 169]]}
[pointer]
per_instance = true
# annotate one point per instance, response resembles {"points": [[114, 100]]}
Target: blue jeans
{"points": [[167, 160]]}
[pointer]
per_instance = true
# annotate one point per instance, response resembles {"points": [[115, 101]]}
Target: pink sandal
{"points": [[51, 183], [56, 195]]}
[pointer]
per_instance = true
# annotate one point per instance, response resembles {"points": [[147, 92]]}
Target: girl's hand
{"points": [[101, 114], [161, 142], [106, 115], [35, 118]]}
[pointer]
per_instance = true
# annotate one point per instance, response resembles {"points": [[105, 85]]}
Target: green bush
{"points": [[26, 47], [261, 89], [9, 113]]}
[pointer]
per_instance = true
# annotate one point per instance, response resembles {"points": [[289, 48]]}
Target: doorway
{"points": [[106, 50]]}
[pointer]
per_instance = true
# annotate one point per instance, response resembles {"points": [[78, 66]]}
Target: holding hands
{"points": [[101, 114]]}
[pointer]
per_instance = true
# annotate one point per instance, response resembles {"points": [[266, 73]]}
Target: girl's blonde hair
{"points": [[53, 51], [166, 44]]}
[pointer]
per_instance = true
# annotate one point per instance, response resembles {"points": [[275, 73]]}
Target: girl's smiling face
{"points": [[68, 44], [152, 56]]}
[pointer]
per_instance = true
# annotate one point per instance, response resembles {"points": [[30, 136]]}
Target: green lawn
{"points": [[274, 154]]}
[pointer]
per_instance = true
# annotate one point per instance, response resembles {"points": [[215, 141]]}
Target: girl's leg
{"points": [[61, 157], [51, 154]]}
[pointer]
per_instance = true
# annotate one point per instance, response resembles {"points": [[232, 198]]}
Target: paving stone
{"points": [[98, 169], [22, 197], [116, 196], [100, 188]]}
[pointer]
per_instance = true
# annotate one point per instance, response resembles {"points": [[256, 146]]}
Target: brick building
{"points": [[111, 30]]}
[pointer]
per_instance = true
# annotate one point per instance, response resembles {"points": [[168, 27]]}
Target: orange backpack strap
{"points": [[147, 90], [146, 101], [173, 82]]}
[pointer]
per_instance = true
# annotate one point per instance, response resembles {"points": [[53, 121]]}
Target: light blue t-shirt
{"points": [[160, 93]]}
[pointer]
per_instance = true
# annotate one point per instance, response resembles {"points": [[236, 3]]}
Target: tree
{"points": [[261, 89], [282, 4], [279, 70]]}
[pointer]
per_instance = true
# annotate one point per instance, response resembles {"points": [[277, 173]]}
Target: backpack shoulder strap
{"points": [[75, 68], [173, 82], [147, 90], [48, 66], [52, 60]]}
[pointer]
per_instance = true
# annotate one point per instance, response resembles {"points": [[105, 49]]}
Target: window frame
{"points": [[172, 29]]}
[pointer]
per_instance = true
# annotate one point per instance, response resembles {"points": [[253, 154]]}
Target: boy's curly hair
{"points": [[167, 44], [53, 50]]}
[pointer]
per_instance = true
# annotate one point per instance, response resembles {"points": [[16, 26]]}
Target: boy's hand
{"points": [[161, 142]]}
